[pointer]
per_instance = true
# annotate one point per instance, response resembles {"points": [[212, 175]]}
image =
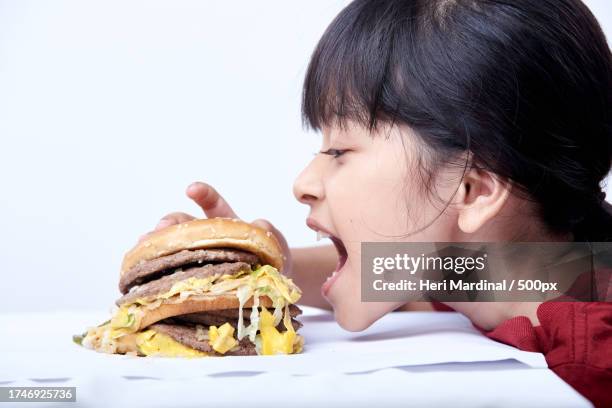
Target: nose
{"points": [[308, 186]]}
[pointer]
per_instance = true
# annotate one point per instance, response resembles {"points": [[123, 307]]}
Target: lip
{"points": [[340, 249], [315, 226]]}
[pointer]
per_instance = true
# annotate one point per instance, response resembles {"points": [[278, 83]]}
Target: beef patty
{"points": [[153, 269], [186, 335], [163, 284], [219, 317]]}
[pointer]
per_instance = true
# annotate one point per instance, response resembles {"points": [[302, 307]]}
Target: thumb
{"points": [[267, 225]]}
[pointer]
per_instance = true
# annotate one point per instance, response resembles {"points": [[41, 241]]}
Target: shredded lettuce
{"points": [[78, 338], [252, 329], [287, 319], [243, 293], [278, 311]]}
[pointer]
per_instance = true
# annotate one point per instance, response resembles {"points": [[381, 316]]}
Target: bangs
{"points": [[350, 73]]}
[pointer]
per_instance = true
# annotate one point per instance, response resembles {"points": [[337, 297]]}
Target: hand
{"points": [[214, 205]]}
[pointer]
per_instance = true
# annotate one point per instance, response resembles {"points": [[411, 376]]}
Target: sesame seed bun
{"points": [[207, 233]]}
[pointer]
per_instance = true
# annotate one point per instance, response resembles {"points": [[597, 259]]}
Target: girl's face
{"points": [[369, 189]]}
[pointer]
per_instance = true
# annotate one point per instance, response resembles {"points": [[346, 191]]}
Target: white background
{"points": [[109, 109]]}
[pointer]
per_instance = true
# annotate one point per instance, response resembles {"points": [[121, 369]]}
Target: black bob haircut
{"points": [[524, 86]]}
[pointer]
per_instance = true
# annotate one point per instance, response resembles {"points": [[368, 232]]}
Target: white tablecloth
{"points": [[405, 359]]}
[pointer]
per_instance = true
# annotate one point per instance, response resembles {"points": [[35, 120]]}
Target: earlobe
{"points": [[468, 223]]}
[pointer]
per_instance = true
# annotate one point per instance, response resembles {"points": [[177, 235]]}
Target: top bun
{"points": [[207, 233]]}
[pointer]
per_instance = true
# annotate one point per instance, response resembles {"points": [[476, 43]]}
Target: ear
{"points": [[480, 198]]}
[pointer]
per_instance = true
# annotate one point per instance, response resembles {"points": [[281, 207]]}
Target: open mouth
{"points": [[342, 257]]}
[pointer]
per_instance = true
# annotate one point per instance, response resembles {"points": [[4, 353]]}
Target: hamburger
{"points": [[207, 287]]}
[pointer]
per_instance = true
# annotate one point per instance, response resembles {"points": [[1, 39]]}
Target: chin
{"points": [[351, 321]]}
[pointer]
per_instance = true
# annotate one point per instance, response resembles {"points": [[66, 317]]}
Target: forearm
{"points": [[310, 267]]}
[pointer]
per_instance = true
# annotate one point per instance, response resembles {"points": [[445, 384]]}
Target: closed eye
{"points": [[334, 152]]}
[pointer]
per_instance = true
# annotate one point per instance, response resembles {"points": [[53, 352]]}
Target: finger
{"points": [[166, 221], [144, 236], [173, 218], [210, 200]]}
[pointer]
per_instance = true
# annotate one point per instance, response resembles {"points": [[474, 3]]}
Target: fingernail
{"points": [[191, 187], [163, 223]]}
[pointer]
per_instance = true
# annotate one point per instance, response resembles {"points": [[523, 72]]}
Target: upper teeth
{"points": [[331, 276], [321, 235]]}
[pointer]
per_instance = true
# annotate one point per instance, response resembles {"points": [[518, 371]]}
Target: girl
{"points": [[458, 120]]}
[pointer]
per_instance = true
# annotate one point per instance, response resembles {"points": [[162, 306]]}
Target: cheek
{"points": [[374, 200], [371, 197]]}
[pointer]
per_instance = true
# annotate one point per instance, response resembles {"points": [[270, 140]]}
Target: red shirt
{"points": [[576, 340]]}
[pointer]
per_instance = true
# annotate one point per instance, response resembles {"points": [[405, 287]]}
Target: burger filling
{"points": [[245, 331]]}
